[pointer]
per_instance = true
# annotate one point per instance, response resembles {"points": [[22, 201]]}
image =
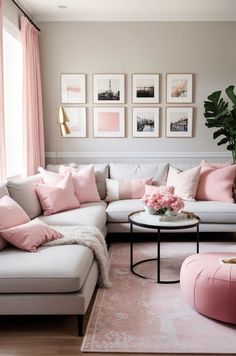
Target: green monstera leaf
{"points": [[219, 115]]}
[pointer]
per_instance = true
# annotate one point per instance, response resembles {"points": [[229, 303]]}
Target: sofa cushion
{"points": [[11, 213], [118, 211], [57, 198], [213, 211], [23, 192], [185, 183], [101, 173], [43, 271], [49, 177], [216, 183], [84, 182], [30, 235], [3, 190], [126, 189], [209, 212], [88, 214], [134, 171]]}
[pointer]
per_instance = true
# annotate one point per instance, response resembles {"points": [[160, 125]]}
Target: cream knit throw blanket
{"points": [[91, 237]]}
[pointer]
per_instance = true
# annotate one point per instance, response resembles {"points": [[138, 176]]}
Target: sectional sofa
{"points": [[62, 279]]}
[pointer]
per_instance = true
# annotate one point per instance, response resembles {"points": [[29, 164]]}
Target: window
{"points": [[13, 98]]}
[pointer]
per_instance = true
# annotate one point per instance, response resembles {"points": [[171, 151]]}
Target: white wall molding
{"points": [[138, 154]]}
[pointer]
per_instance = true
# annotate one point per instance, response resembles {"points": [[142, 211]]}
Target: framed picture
{"points": [[108, 88], [179, 88], [109, 122], [145, 122], [179, 122], [146, 88], [73, 89], [73, 122]]}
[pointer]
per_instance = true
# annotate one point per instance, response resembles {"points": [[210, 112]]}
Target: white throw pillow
{"points": [[185, 183]]}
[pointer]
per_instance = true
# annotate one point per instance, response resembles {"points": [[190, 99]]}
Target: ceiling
{"points": [[131, 10]]}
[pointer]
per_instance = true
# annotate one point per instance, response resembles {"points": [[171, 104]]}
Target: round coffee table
{"points": [[142, 219]]}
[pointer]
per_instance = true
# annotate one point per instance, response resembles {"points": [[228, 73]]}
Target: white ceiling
{"points": [[131, 10]]}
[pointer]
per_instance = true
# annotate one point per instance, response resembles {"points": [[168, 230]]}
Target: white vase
{"points": [[149, 210]]}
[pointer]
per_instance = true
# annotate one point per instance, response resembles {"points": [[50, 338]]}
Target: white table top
{"points": [[153, 220]]}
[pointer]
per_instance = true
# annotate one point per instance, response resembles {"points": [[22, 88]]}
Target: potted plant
{"points": [[222, 115]]}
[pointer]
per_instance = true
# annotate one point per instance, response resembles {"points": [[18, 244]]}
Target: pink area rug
{"points": [[140, 316]]}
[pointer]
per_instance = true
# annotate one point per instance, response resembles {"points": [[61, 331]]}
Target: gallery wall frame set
{"points": [[179, 88], [74, 121], [145, 88], [73, 88], [146, 122], [179, 122], [109, 88], [109, 122]]}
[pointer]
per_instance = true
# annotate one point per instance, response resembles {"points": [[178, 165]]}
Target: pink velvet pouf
{"points": [[209, 285]]}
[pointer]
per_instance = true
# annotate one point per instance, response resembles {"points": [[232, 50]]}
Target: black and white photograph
{"points": [[108, 88], [179, 122], [179, 88], [145, 122], [145, 88]]}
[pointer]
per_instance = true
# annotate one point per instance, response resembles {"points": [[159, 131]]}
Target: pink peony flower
{"points": [[163, 200]]}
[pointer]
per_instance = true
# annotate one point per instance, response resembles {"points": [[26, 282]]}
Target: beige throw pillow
{"points": [[185, 183]]}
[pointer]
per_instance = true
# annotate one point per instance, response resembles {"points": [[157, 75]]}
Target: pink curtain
{"points": [[34, 153], [2, 129]]}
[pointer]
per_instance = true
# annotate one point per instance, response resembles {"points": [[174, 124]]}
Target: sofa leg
{"points": [[80, 319]]}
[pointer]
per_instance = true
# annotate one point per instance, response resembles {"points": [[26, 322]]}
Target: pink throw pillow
{"points": [[205, 163], [57, 198], [49, 177], [84, 183], [30, 235], [185, 183], [151, 189], [11, 213], [126, 189], [216, 183]]}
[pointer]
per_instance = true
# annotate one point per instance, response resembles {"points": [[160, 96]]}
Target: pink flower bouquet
{"points": [[161, 202]]}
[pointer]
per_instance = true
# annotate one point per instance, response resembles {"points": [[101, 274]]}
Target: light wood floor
{"points": [[42, 335]]}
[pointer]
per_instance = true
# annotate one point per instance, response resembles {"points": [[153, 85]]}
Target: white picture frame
{"points": [[179, 88], [109, 122], [146, 122], [179, 122], [145, 88], [73, 88], [77, 124], [109, 88]]}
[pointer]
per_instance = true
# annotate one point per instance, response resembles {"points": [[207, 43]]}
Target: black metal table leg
{"points": [[131, 247], [158, 255], [197, 238]]}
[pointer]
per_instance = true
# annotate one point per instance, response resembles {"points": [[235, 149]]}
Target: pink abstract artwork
{"points": [[108, 121]]}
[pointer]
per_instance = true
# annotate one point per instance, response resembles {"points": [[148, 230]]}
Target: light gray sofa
{"points": [[62, 279], [56, 280]]}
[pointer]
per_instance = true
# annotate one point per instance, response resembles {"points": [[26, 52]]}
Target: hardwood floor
{"points": [[42, 335]]}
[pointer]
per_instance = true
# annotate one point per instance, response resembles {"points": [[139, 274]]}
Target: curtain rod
{"points": [[25, 14]]}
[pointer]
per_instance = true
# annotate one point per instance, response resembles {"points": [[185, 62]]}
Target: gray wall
{"points": [[205, 49], [11, 12]]}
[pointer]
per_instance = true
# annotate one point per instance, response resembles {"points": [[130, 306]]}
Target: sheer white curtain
{"points": [[2, 129]]}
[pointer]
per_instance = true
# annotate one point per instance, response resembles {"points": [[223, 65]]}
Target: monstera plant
{"points": [[222, 115]]}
